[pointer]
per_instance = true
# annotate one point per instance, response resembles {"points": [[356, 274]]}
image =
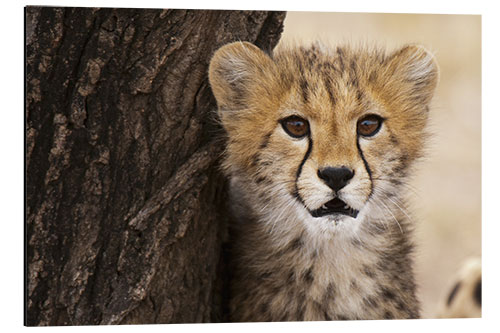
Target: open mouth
{"points": [[333, 207]]}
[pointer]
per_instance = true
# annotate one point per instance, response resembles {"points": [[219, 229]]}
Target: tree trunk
{"points": [[124, 201]]}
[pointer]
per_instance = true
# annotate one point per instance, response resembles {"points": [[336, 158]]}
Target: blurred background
{"points": [[447, 203]]}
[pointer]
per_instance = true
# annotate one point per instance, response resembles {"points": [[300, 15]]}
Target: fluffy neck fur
{"points": [[284, 270]]}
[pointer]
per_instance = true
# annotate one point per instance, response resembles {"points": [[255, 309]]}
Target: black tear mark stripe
{"points": [[299, 170], [367, 166]]}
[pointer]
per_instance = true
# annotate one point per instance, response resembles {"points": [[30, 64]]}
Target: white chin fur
{"points": [[327, 226]]}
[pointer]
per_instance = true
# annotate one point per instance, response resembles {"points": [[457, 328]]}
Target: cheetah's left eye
{"points": [[369, 125], [295, 126]]}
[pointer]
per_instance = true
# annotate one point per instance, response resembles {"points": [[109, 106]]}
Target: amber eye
{"points": [[369, 125], [295, 126]]}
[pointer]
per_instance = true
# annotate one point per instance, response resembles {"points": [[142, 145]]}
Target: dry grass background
{"points": [[447, 207]]}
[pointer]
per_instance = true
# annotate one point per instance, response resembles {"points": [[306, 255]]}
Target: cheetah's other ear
{"points": [[233, 68], [416, 73]]}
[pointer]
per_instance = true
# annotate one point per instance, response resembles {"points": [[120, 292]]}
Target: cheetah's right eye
{"points": [[295, 126]]}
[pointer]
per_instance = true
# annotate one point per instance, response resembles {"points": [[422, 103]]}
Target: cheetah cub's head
{"points": [[325, 135]]}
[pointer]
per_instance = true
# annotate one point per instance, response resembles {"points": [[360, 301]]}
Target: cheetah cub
{"points": [[319, 146]]}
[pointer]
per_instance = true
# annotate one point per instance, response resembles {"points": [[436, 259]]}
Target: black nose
{"points": [[336, 178]]}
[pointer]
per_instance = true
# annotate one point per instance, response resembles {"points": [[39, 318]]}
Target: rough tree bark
{"points": [[124, 201]]}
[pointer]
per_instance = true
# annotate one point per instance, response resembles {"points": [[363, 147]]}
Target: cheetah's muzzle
{"points": [[334, 207]]}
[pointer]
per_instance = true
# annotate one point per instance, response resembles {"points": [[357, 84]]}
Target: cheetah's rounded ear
{"points": [[234, 68], [415, 71]]}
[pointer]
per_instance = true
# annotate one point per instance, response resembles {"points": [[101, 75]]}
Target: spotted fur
{"points": [[287, 264], [463, 299]]}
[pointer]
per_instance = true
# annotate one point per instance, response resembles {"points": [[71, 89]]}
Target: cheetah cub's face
{"points": [[325, 135]]}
